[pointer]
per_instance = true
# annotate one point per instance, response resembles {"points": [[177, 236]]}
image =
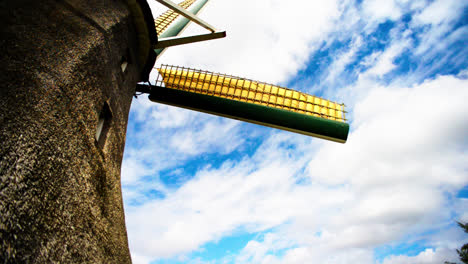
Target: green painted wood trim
{"points": [[253, 113], [181, 23]]}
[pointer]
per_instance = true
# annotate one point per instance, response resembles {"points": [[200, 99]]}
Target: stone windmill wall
{"points": [[68, 74]]}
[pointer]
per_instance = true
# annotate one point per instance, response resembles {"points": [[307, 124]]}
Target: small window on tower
{"points": [[103, 125], [123, 64], [125, 61]]}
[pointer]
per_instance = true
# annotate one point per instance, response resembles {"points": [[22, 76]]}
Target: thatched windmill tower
{"points": [[69, 70]]}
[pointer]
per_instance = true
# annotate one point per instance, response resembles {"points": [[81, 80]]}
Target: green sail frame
{"points": [[253, 113]]}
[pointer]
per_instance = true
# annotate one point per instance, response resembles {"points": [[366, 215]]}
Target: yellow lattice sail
{"points": [[249, 91]]}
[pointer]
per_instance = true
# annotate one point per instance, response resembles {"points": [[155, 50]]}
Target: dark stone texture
{"points": [[60, 194]]}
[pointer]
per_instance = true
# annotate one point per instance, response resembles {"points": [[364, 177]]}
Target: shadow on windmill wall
{"points": [[60, 196]]}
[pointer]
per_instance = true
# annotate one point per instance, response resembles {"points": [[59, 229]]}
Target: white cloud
{"points": [[440, 11], [342, 60], [381, 10], [213, 134], [424, 121], [463, 207], [437, 20], [133, 170], [383, 61], [171, 117], [428, 256]]}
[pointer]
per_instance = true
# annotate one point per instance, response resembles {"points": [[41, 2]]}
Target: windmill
{"points": [[70, 72], [235, 97]]}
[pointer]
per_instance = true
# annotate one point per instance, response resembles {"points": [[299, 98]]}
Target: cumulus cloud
{"points": [[382, 10], [428, 256]]}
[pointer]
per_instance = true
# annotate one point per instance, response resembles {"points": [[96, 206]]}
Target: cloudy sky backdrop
{"points": [[204, 189]]}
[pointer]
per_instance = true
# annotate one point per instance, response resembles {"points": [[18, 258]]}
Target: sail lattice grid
{"points": [[164, 20], [249, 91]]}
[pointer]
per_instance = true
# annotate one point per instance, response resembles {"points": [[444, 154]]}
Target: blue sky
{"points": [[204, 189]]}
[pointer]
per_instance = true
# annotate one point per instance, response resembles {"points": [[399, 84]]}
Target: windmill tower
{"points": [[70, 70]]}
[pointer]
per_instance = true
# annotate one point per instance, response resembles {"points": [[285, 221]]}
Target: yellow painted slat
{"points": [[245, 90]]}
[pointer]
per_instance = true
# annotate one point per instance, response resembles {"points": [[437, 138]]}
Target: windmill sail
{"points": [[251, 101], [170, 24], [164, 20]]}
